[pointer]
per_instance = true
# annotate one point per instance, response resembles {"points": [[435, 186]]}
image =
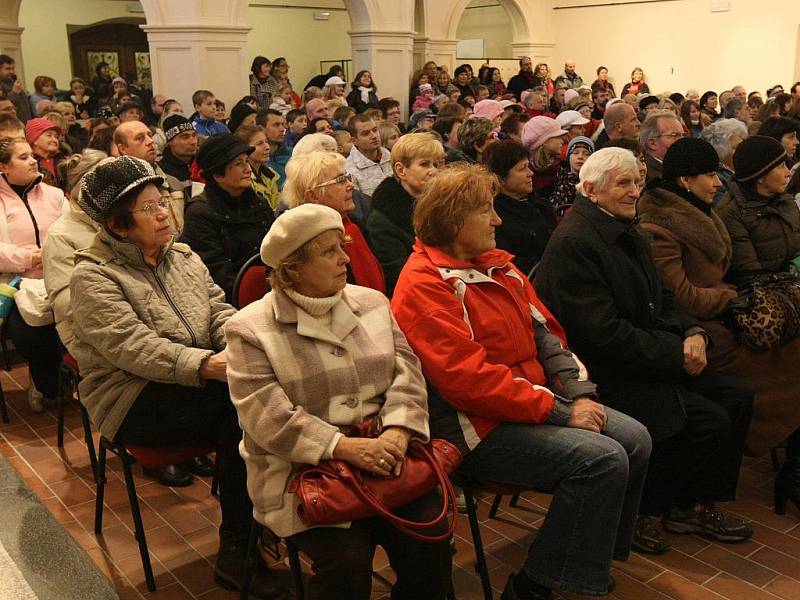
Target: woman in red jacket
{"points": [[509, 393]]}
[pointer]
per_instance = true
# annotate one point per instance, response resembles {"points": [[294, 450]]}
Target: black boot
{"points": [[229, 570], [787, 483]]}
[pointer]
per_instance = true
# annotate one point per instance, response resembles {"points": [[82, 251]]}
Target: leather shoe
{"points": [[509, 593], [202, 466], [171, 476]]}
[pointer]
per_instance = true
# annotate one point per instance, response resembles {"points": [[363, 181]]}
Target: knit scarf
{"points": [[364, 266], [364, 93]]}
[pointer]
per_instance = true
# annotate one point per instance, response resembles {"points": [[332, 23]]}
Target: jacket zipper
{"points": [[175, 308], [24, 199]]}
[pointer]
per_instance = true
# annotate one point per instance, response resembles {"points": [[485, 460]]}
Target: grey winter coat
{"points": [[134, 323]]}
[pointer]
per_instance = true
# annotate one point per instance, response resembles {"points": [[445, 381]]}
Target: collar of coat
{"points": [[360, 161], [224, 207], [750, 201], [607, 225], [690, 225], [392, 199], [106, 248], [491, 259], [345, 317]]}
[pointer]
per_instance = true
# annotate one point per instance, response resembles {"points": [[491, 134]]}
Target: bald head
{"points": [[621, 121], [739, 92], [132, 138], [569, 66], [315, 109]]}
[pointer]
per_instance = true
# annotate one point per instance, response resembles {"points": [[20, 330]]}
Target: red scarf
{"points": [[365, 267]]}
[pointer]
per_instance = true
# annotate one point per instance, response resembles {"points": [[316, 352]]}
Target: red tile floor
{"points": [[182, 528]]}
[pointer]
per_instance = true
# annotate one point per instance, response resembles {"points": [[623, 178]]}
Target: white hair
{"points": [[604, 164], [719, 134], [314, 142]]}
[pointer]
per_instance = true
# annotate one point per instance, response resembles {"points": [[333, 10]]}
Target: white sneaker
{"points": [[35, 399]]}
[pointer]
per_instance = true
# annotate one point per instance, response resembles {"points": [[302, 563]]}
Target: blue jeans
{"points": [[596, 480]]}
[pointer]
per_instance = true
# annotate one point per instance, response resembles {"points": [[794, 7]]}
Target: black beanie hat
{"points": [[689, 156], [238, 114], [756, 156], [176, 124], [218, 150]]}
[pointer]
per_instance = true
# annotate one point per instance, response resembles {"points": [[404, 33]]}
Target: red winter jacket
{"points": [[487, 344]]}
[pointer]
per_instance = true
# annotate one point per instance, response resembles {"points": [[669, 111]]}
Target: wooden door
{"points": [[122, 45]]}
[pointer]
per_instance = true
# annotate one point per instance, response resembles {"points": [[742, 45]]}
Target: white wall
{"points": [[276, 31], [679, 45], [293, 33], [45, 44], [481, 19]]}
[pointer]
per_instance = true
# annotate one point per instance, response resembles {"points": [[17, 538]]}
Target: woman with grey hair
{"points": [[350, 362], [725, 135]]}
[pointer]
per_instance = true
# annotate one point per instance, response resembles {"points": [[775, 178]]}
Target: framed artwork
{"points": [[143, 75], [112, 58]]}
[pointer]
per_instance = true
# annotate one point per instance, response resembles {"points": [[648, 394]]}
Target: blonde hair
{"points": [[62, 106], [334, 102], [452, 195], [385, 130], [314, 142], [417, 145], [304, 172]]}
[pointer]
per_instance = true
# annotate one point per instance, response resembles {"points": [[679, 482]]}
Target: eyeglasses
{"points": [[344, 178], [150, 208], [673, 135]]}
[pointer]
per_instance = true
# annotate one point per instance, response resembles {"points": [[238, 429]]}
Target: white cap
{"points": [[568, 118], [335, 80]]}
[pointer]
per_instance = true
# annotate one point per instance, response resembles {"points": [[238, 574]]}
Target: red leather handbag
{"points": [[335, 491]]}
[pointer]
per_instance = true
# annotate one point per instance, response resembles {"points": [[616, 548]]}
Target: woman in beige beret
{"points": [[306, 363]]}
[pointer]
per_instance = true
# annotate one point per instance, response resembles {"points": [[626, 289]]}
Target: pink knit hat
{"points": [[487, 108], [538, 130], [34, 128]]}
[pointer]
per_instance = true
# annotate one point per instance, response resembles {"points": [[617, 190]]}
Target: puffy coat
{"points": [[226, 231], [135, 323], [292, 412], [488, 346], [527, 226], [24, 224], [765, 232], [354, 99], [75, 230]]}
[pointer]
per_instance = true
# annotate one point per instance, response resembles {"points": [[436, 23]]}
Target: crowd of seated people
{"points": [[403, 254]]}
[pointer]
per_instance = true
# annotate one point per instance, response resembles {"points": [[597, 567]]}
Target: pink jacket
{"points": [[24, 225]]}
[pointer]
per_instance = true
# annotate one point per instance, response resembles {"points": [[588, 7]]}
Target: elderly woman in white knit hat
{"points": [[306, 363]]}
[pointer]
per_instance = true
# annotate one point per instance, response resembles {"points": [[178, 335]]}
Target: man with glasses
{"points": [[523, 80], [369, 163], [659, 131]]}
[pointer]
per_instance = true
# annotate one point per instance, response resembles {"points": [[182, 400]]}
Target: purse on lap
{"points": [[336, 491], [767, 314]]}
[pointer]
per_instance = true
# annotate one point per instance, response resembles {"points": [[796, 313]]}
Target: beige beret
{"points": [[294, 228]]}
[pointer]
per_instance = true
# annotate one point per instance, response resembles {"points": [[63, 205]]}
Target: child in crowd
{"points": [[344, 142], [425, 98], [283, 101]]}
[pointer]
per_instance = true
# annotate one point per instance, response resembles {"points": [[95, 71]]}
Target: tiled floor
{"points": [[182, 528]]}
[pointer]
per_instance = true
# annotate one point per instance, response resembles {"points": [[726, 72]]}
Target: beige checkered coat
{"points": [[296, 384]]}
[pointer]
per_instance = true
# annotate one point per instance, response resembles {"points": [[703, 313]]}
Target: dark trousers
{"points": [[169, 414], [342, 558], [39, 346], [701, 463]]}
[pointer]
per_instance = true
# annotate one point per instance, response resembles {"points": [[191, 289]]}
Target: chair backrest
{"points": [[251, 282]]}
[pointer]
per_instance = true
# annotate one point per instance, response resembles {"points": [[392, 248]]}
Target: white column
{"points": [[11, 35], [197, 44], [388, 55], [184, 59], [442, 52]]}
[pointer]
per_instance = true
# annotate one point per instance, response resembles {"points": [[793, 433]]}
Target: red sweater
{"points": [[366, 269]]}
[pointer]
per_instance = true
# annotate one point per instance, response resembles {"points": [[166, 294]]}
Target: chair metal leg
{"points": [[215, 479], [4, 351], [3, 407], [101, 483], [776, 463], [297, 570], [495, 506], [514, 500], [87, 437], [137, 517], [252, 540], [480, 558], [65, 391]]}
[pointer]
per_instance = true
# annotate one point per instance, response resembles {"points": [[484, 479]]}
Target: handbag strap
{"points": [[411, 528]]}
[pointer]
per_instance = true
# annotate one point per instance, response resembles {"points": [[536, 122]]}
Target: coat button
{"points": [[338, 351], [651, 305], [352, 401]]}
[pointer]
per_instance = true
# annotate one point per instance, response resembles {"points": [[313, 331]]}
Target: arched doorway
{"points": [[123, 45], [488, 23]]}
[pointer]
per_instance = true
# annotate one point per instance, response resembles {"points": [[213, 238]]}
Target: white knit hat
{"points": [[294, 228]]}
